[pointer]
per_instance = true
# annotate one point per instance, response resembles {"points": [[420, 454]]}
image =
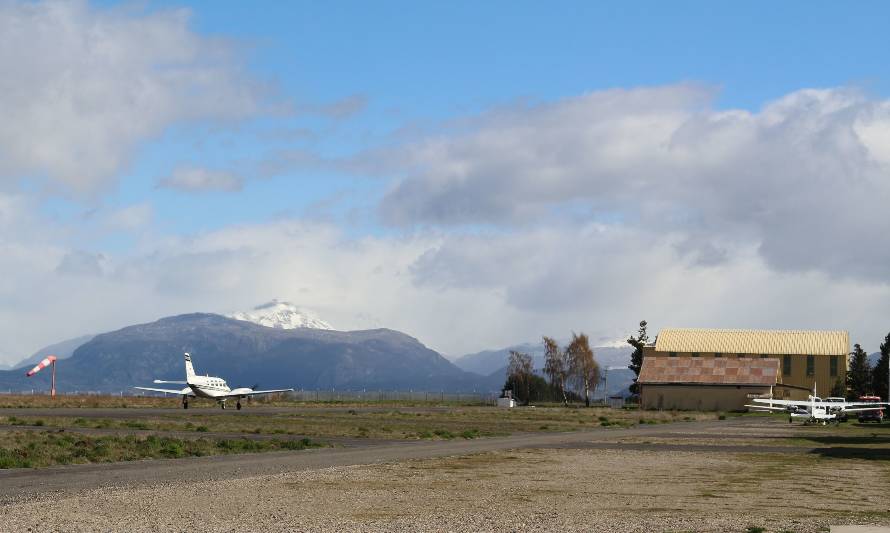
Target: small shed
{"points": [[705, 384]]}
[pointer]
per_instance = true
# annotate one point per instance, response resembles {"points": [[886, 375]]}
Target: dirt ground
{"points": [[554, 490]]}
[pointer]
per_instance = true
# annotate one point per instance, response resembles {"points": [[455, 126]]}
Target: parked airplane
{"points": [[210, 387], [815, 409]]}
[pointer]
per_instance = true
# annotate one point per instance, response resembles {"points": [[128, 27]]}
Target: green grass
{"points": [[33, 449], [384, 423]]}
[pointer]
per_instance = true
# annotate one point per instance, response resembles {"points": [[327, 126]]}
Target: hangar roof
{"points": [[753, 341], [709, 371]]}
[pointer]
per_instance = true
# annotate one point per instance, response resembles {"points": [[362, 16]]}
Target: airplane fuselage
{"points": [[213, 388], [208, 387]]}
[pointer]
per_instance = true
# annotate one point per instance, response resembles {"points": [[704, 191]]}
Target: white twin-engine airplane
{"points": [[815, 409], [208, 387]]}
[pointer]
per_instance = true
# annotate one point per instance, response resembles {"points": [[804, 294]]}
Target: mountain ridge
{"points": [[245, 353]]}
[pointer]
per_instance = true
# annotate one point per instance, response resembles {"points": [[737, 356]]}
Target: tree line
{"points": [[573, 373], [862, 378]]}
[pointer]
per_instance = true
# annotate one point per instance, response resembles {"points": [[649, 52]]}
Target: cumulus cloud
{"points": [[456, 292], [81, 263], [130, 218], [82, 87], [801, 180], [200, 179], [587, 214]]}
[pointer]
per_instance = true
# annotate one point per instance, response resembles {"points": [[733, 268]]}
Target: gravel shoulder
{"points": [[534, 489], [693, 476]]}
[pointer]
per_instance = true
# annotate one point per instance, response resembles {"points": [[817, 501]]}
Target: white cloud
{"points": [[130, 218], [82, 87], [597, 212], [200, 179], [803, 181], [457, 293]]}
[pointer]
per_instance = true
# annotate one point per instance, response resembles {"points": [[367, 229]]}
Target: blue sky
{"points": [[422, 63], [426, 166]]}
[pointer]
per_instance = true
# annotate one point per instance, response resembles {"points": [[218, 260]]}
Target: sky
{"points": [[476, 175]]}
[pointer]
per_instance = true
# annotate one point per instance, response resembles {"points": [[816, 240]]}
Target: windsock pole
{"points": [[48, 361]]}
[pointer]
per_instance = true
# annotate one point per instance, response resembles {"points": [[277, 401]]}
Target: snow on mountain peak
{"points": [[281, 315]]}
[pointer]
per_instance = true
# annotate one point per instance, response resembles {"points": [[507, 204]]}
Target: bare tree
{"points": [[519, 372], [584, 371], [556, 367]]}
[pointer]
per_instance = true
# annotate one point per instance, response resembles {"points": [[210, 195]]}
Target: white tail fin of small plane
{"points": [[189, 369]]}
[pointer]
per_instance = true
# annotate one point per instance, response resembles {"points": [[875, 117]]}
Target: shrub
{"points": [[443, 433]]}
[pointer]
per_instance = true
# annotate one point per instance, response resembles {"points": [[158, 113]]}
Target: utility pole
{"points": [[606, 381]]}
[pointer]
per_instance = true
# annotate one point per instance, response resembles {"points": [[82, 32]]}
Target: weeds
{"points": [[39, 449]]}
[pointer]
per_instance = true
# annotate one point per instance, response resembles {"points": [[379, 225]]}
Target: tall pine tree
{"points": [[879, 372], [636, 358], [859, 374]]}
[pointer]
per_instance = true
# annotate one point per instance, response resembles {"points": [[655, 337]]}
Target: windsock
{"points": [[41, 365]]}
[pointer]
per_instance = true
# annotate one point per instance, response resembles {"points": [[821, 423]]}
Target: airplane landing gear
{"points": [[238, 405], [222, 405], [185, 402]]}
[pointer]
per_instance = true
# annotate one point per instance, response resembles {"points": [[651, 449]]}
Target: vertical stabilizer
{"points": [[189, 369]]}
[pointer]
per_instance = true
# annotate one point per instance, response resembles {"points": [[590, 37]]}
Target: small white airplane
{"points": [[815, 409], [208, 387]]}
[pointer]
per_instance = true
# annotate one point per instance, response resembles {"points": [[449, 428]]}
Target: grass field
{"points": [[380, 423], [33, 449], [120, 437], [272, 400], [82, 436]]}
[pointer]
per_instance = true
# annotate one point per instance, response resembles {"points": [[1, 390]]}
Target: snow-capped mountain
{"points": [[282, 315]]}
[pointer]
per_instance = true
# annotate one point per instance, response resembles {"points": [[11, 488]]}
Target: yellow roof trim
{"points": [[753, 341]]}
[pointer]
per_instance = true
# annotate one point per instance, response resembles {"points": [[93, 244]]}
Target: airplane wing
{"points": [[257, 392], [785, 402], [184, 392], [863, 409], [767, 407]]}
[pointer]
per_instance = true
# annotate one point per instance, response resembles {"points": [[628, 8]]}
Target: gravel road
{"points": [[578, 481], [517, 490]]}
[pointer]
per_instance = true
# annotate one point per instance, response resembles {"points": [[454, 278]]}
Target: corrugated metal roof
{"points": [[709, 371], [753, 341]]}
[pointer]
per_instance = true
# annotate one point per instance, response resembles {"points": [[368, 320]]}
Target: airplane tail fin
{"points": [[189, 369]]}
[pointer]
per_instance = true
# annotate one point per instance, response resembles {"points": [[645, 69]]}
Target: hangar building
{"points": [[699, 368]]}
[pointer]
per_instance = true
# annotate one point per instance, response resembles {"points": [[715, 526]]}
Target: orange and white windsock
{"points": [[41, 365]]}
